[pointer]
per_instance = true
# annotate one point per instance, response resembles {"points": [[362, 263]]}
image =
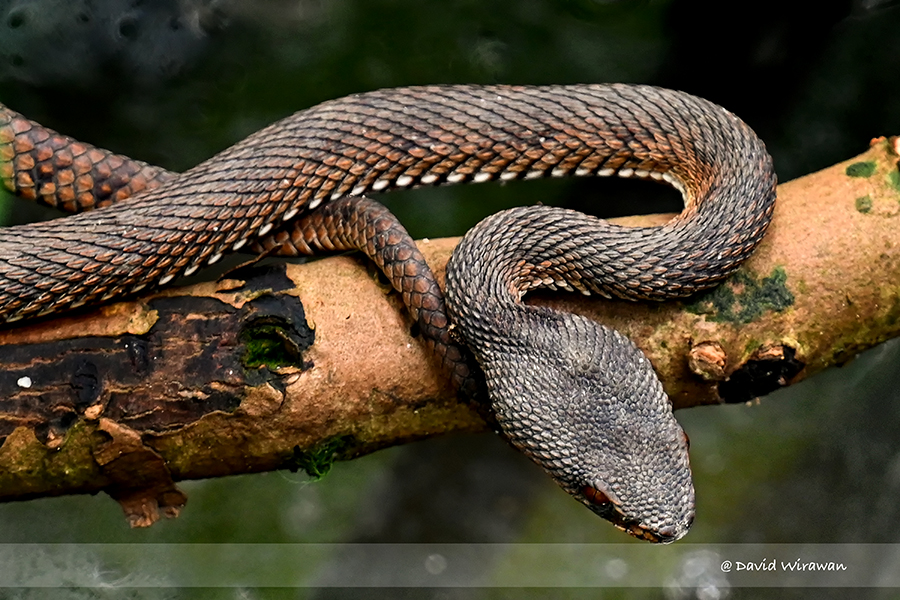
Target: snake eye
{"points": [[595, 496]]}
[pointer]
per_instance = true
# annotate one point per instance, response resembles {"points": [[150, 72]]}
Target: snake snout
{"points": [[665, 534], [671, 533]]}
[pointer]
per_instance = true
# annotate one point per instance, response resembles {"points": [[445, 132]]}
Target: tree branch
{"points": [[296, 366]]}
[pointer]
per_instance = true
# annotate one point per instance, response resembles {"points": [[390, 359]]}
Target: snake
{"points": [[578, 398]]}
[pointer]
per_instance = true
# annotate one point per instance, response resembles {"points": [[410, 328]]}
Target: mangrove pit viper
{"points": [[579, 399]]}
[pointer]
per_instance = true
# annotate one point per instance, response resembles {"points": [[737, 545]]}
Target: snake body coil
{"points": [[579, 399]]}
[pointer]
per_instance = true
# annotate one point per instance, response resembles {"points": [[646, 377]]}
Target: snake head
{"points": [[635, 473], [598, 421]]}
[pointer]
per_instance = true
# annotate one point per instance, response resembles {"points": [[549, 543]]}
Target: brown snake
{"points": [[577, 398]]}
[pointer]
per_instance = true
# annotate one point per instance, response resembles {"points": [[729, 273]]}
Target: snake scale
{"points": [[579, 399]]}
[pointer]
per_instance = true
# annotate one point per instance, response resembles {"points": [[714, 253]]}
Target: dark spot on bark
{"points": [[42, 432], [262, 277], [54, 429], [769, 368], [138, 353], [275, 333], [87, 385]]}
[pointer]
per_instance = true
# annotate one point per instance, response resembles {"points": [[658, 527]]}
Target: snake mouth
{"points": [[664, 535], [603, 505]]}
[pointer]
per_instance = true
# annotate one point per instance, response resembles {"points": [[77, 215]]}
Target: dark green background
{"points": [[173, 83]]}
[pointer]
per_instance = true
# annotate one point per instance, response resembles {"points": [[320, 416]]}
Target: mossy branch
{"points": [[297, 366]]}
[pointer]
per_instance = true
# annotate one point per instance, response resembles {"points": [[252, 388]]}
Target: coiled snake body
{"points": [[578, 398]]}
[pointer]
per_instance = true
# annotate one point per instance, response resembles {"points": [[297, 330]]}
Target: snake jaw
{"points": [[600, 499]]}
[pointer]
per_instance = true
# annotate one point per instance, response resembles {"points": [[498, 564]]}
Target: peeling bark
{"points": [[297, 366]]}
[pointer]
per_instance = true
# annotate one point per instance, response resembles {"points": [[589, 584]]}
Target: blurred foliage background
{"points": [[174, 81]]}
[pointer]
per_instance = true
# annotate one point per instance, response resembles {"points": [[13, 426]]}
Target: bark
{"points": [[295, 366]]}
